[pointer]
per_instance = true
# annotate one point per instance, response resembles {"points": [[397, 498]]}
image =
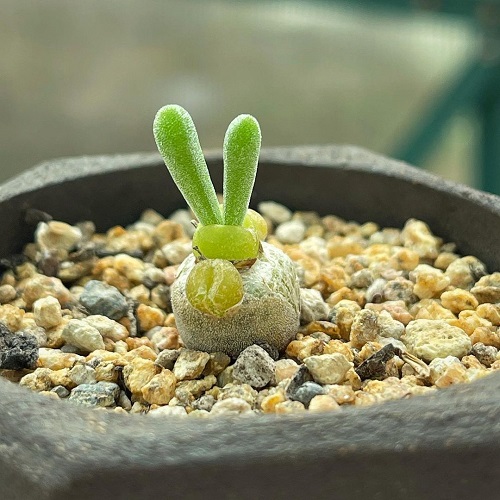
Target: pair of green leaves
{"points": [[178, 143]]}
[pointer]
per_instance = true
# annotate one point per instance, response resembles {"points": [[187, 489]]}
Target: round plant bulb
{"points": [[268, 312]]}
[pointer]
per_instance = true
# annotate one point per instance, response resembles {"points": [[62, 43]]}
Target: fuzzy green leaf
{"points": [[178, 143], [241, 156]]}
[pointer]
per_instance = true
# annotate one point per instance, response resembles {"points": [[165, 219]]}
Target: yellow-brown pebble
{"points": [[458, 300], [138, 373], [149, 317], [11, 316], [160, 389], [269, 403], [55, 359]]}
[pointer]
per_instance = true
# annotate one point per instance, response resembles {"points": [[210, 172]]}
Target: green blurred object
{"points": [[476, 87]]}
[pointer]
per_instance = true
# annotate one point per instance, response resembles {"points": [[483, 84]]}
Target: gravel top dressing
{"points": [[385, 314]]}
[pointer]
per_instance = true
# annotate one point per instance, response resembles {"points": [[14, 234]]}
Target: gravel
{"points": [[386, 314]]}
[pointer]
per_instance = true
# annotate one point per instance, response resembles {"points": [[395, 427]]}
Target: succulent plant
{"points": [[234, 290]]}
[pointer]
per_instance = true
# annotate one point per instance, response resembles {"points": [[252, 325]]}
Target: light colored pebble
{"points": [[304, 347], [190, 364], [47, 312], [277, 213], [37, 381], [232, 406], [429, 281], [82, 374], [284, 369], [447, 371], [465, 271], [417, 236], [290, 232], [55, 359], [458, 300], [238, 390], [176, 251], [323, 402], [11, 316], [82, 335], [312, 306], [7, 293], [168, 411], [429, 339], [487, 289], [289, 407], [191, 389], [328, 368], [107, 327], [365, 328], [148, 317], [55, 235]]}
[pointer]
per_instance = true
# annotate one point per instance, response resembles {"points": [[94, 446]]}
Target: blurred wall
{"points": [[87, 77]]}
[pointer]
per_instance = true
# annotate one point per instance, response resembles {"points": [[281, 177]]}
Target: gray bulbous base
{"points": [[269, 312]]}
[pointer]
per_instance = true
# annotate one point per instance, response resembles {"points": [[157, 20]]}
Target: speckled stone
{"points": [[486, 354], [254, 366], [487, 289], [101, 394], [82, 374], [167, 358]]}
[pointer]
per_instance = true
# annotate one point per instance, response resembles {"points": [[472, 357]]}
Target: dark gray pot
{"points": [[443, 446]]}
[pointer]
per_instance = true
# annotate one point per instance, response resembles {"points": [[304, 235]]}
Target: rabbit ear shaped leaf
{"points": [[241, 156], [178, 143]]}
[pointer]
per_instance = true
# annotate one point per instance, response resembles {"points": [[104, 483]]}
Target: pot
{"points": [[441, 446]]}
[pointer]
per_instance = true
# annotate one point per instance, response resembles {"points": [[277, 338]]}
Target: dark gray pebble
{"points": [[303, 375], [17, 350], [306, 392], [101, 298], [374, 366]]}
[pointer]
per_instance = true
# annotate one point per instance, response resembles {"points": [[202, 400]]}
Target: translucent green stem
{"points": [[178, 143], [241, 155]]}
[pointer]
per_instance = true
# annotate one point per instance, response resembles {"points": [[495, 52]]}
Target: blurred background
{"points": [[418, 80]]}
